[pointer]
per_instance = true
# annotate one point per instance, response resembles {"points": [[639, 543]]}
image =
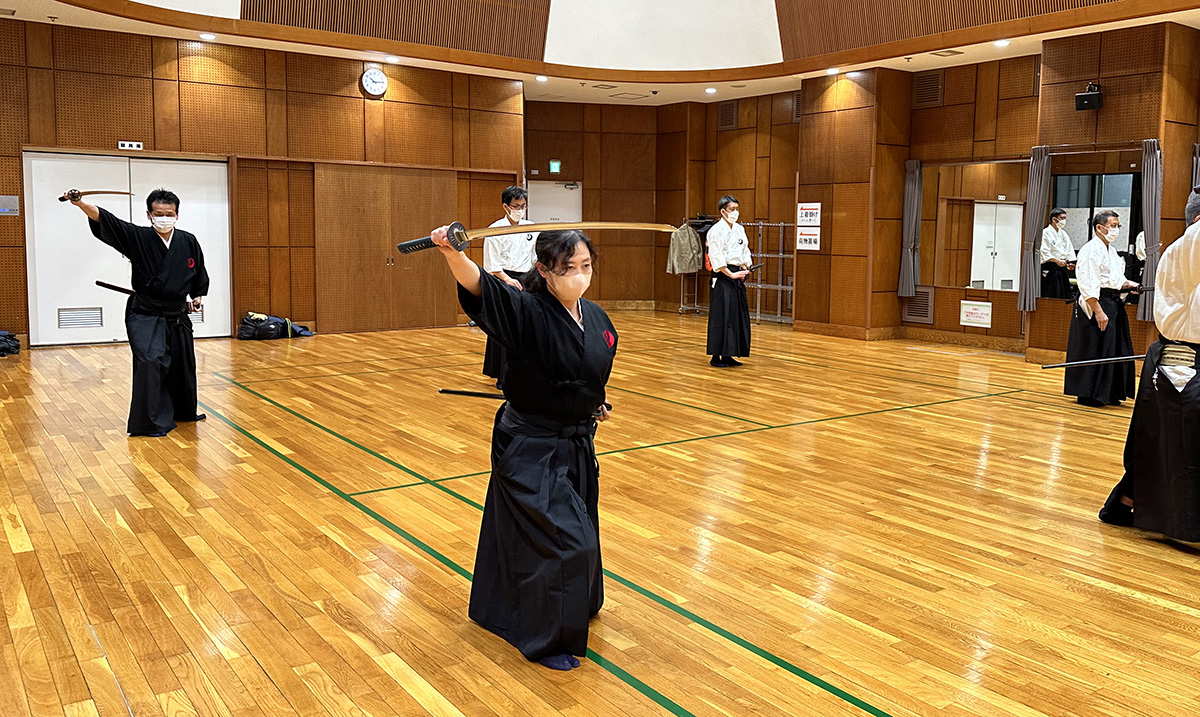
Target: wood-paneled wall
{"points": [[989, 110], [278, 112], [855, 133], [612, 150], [680, 189], [508, 29]]}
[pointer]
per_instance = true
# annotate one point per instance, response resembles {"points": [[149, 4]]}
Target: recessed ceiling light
{"points": [[711, 90], [853, 74], [391, 59], [737, 87], [947, 53], [542, 78], [1002, 43], [832, 71], [207, 36]]}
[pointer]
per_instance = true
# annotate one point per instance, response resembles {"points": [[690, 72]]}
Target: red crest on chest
{"points": [[609, 338], [191, 263]]}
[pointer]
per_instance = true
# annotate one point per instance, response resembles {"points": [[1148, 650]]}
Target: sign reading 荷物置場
{"points": [[808, 226], [976, 313]]}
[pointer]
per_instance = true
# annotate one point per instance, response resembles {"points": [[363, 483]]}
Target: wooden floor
{"points": [[839, 528]]}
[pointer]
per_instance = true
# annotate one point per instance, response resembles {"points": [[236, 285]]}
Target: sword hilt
{"points": [[457, 234], [72, 195]]}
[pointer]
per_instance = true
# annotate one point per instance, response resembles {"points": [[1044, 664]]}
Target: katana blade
{"points": [[460, 236], [74, 195], [1095, 362]]}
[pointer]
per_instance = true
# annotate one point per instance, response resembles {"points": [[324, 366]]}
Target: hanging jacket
{"points": [[685, 254]]}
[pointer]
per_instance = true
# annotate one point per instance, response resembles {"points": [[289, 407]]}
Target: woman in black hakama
{"points": [[538, 576]]}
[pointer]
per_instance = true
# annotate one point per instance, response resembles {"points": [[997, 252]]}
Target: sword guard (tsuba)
{"points": [[72, 195], [457, 236]]}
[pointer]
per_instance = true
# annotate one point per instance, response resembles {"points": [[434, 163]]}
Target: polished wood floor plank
{"points": [[835, 528]]}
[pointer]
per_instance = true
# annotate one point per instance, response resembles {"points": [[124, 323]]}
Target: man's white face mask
{"points": [[163, 223]]}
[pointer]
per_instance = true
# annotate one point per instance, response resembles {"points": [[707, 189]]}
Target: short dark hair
{"points": [[1101, 219], [1058, 212], [726, 201], [554, 249], [162, 196], [514, 193], [1192, 210]]}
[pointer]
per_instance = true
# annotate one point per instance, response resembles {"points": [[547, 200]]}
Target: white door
{"points": [[983, 245], [203, 191], [996, 246], [555, 202], [64, 260]]}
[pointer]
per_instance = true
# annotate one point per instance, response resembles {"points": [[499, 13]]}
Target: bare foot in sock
{"points": [[559, 662]]}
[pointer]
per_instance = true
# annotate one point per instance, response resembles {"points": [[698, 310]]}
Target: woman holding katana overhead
{"points": [[537, 570]]}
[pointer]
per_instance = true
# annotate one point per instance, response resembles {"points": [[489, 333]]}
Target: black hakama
{"points": [[728, 316], [1056, 281], [538, 575], [156, 319], [1108, 383], [493, 353], [1162, 454]]}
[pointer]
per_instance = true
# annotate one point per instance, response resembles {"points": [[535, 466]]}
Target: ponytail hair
{"points": [[554, 251]]}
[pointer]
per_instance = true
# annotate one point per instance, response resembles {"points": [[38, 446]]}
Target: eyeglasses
{"points": [[517, 207]]}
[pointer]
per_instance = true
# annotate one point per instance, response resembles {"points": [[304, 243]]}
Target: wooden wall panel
{"points": [[628, 161], [671, 161], [851, 219], [1017, 77], [218, 64], [889, 181], [251, 280], [509, 29], [565, 146], [1071, 59], [553, 117], [886, 244], [301, 208], [324, 75], [1181, 80], [219, 119], [14, 312], [987, 97], [808, 29], [164, 54], [1016, 126], [80, 49], [855, 142], [98, 111], [496, 141], [325, 127], [1134, 50], [495, 94], [280, 277], [12, 229], [12, 43], [418, 134], [622, 119], [735, 160], [959, 85], [166, 116], [1132, 108], [893, 106], [303, 284], [14, 110], [819, 94], [849, 275], [943, 133], [251, 207], [856, 90], [1060, 123], [816, 139], [811, 301], [418, 85]]}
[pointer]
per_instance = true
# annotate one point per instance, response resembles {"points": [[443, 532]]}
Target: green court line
{"points": [[741, 642], [363, 360], [621, 674], [359, 373]]}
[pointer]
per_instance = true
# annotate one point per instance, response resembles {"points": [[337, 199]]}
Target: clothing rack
{"points": [[694, 306], [784, 283]]}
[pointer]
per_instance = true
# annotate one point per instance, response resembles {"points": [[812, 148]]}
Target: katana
{"points": [[74, 195], [114, 287], [460, 236], [1095, 362], [484, 394]]}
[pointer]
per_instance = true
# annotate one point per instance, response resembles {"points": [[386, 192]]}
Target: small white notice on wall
{"points": [[976, 313], [808, 214], [808, 238]]}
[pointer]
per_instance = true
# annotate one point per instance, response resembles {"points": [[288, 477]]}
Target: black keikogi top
{"points": [[166, 275], [556, 370]]}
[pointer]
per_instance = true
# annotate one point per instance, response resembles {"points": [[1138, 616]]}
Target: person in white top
{"points": [[508, 258], [728, 311], [1100, 326], [1163, 448], [1058, 257]]}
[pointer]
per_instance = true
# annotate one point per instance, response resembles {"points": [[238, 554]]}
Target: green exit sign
{"points": [[555, 166]]}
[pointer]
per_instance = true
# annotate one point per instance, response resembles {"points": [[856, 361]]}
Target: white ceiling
{"points": [[558, 89]]}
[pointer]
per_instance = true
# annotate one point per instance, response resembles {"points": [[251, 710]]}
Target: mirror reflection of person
{"points": [[1058, 257], [508, 257], [1099, 325], [1158, 491]]}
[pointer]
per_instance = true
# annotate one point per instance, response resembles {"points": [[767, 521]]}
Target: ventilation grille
{"points": [[977, 284], [727, 115], [87, 318], [198, 317], [797, 106], [1006, 285], [927, 89], [918, 309]]}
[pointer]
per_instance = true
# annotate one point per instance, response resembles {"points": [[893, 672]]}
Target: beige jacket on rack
{"points": [[685, 255]]}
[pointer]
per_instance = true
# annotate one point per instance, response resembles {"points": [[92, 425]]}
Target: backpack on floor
{"points": [[9, 344]]}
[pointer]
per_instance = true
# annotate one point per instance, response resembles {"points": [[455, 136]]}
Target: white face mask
{"points": [[732, 216], [163, 223], [1114, 233], [569, 288], [515, 215]]}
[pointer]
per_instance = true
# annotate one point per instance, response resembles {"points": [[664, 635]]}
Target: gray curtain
{"points": [[1035, 208], [1152, 177], [910, 254]]}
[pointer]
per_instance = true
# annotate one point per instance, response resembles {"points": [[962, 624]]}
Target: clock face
{"points": [[374, 82]]}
